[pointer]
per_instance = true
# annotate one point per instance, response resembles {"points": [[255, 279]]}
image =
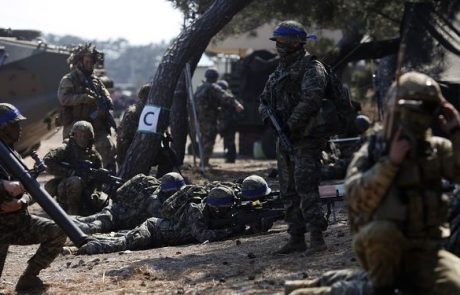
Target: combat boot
{"points": [[29, 279], [317, 243], [295, 244]]}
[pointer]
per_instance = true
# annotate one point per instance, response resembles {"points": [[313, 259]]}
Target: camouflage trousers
{"points": [[208, 137], [335, 282], [75, 198], [24, 229], [114, 217], [299, 177], [418, 265], [97, 223], [153, 233]]}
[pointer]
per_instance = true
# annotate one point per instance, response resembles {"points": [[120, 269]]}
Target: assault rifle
{"points": [[103, 106], [86, 169], [166, 141], [259, 215], [284, 140]]}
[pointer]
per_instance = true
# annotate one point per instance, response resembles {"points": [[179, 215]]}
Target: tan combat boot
{"points": [[295, 244], [317, 243], [29, 279]]}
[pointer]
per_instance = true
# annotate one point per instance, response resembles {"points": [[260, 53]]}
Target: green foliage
{"points": [[124, 63], [378, 18]]}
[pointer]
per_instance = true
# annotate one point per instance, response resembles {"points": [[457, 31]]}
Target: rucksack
{"points": [[337, 112], [173, 206]]}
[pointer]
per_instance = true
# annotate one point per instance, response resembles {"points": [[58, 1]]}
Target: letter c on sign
{"points": [[146, 121]]}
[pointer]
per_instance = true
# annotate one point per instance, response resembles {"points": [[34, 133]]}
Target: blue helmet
{"points": [[9, 114], [362, 123], [211, 74], [221, 197], [171, 181], [291, 31], [254, 187]]}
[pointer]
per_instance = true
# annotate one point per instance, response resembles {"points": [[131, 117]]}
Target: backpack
{"points": [[338, 112], [174, 205]]}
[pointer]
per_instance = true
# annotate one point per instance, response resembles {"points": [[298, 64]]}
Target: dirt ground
{"points": [[242, 265]]}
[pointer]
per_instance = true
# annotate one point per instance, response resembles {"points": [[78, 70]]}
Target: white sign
{"points": [[148, 120]]}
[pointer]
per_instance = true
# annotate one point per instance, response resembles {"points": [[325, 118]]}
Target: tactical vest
{"points": [[415, 200]]}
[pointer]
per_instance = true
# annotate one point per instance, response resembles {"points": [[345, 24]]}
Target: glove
{"points": [[86, 98]]}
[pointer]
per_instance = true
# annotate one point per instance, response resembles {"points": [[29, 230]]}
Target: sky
{"points": [[139, 21]]}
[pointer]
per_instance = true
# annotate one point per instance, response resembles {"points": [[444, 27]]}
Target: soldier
{"points": [[127, 131], [209, 97], [226, 124], [72, 186], [397, 210], [191, 223], [17, 226], [254, 188], [78, 92], [137, 200], [294, 91]]}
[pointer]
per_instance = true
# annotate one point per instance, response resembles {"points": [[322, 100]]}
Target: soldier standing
{"points": [[72, 185], [17, 226], [294, 91], [209, 97], [227, 126], [79, 92], [397, 210]]}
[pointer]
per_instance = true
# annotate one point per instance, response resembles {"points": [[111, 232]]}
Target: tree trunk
{"points": [[191, 41]]}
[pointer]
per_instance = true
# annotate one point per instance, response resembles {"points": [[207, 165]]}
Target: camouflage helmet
{"points": [[9, 114], [290, 31], [220, 197], [418, 86], [78, 52], [211, 74], [223, 84], [171, 181], [254, 187], [144, 92], [82, 133]]}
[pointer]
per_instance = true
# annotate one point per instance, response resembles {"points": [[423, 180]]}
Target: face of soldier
{"points": [[286, 48], [220, 212], [83, 139], [11, 133], [87, 64]]}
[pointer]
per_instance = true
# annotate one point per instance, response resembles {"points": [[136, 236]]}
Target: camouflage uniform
{"points": [[335, 282], [73, 192], [398, 213], [294, 91], [75, 106], [21, 228], [209, 97], [189, 225], [136, 200]]}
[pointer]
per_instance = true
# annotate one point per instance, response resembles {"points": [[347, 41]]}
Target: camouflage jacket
{"points": [[209, 97], [127, 130], [72, 93], [295, 92], [376, 189], [70, 153], [194, 225], [136, 200]]}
